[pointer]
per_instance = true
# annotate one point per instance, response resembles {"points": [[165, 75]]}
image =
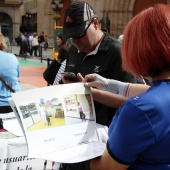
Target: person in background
{"points": [[41, 42], [45, 42], [34, 44], [62, 57], [93, 51], [27, 34], [23, 45], [41, 39], [30, 38], [63, 47], [16, 39], [9, 71], [140, 128], [9, 48]]}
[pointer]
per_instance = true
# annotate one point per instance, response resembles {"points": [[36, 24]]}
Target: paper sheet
{"points": [[63, 136], [12, 125]]}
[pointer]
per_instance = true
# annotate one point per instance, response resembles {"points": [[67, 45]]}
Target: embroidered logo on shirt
{"points": [[96, 69], [71, 65]]}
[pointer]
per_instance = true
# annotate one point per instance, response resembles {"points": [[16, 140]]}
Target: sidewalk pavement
{"points": [[32, 69], [45, 54], [25, 86]]}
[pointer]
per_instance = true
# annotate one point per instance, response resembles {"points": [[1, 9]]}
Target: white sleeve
{"points": [[58, 75]]}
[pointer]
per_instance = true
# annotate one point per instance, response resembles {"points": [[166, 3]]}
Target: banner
{"points": [[14, 156]]}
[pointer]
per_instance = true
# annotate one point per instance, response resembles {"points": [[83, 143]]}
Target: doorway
{"points": [[6, 26]]}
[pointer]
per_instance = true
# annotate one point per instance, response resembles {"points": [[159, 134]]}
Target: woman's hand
{"points": [[94, 80]]}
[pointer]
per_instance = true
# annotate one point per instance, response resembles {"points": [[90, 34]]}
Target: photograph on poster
{"points": [[48, 113], [50, 116]]}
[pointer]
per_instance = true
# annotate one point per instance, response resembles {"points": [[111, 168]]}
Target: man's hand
{"points": [[68, 77], [66, 81]]}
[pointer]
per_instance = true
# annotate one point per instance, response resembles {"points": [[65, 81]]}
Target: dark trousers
{"points": [[34, 50]]}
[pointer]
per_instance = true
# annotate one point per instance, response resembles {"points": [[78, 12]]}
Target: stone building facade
{"points": [[10, 18], [117, 12], [120, 12], [114, 14]]}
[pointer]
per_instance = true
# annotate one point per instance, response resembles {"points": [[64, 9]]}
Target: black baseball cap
{"points": [[76, 15]]}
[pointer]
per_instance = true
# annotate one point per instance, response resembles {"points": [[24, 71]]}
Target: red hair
{"points": [[146, 42]]}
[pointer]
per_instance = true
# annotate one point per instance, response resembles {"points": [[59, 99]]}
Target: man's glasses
{"points": [[84, 33]]}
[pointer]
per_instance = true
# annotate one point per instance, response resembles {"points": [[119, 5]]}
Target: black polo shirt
{"points": [[107, 63]]}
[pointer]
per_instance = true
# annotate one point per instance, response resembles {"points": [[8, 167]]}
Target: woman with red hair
{"points": [[139, 135]]}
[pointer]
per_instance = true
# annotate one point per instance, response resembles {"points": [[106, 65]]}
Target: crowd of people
{"points": [[31, 43], [135, 113]]}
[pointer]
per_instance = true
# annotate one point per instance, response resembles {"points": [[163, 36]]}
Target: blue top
{"points": [[9, 71], [139, 134]]}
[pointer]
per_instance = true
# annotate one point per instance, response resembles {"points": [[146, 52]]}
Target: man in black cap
{"points": [[93, 51], [75, 19]]}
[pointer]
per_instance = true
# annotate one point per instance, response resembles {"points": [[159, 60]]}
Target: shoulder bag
{"points": [[7, 85], [51, 71]]}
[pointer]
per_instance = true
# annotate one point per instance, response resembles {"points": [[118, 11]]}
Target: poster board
{"points": [[52, 125]]}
